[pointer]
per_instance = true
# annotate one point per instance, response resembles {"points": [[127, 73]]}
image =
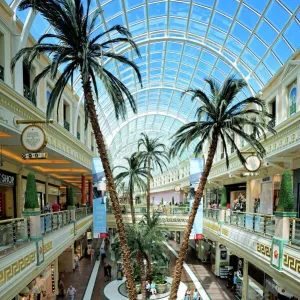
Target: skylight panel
{"points": [[200, 13], [282, 50], [216, 36], [179, 9], [272, 63], [273, 13], [189, 60], [197, 28], [192, 51], [174, 47], [292, 35], [257, 5], [266, 32], [248, 17], [158, 24], [221, 21], [225, 68], [136, 14], [228, 7], [177, 24], [257, 47], [249, 59], [240, 33], [263, 74], [157, 9]]}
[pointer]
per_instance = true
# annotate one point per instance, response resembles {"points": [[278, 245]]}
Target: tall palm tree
{"points": [[76, 48], [153, 154], [220, 116], [122, 191], [135, 175]]}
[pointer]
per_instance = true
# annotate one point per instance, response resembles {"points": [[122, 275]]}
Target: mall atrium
{"points": [[93, 205]]}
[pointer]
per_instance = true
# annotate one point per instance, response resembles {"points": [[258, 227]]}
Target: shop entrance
{"points": [[237, 195]]}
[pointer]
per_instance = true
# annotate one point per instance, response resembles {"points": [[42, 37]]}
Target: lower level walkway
{"points": [[214, 286]]}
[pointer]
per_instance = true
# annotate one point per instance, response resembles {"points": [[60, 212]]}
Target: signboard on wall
{"points": [[196, 169], [7, 178], [99, 201]]}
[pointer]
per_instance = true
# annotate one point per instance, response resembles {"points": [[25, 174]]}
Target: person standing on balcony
{"points": [[55, 207], [47, 208], [71, 292]]}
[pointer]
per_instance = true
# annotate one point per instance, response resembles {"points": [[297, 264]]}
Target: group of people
{"points": [[191, 294], [150, 289], [70, 293]]}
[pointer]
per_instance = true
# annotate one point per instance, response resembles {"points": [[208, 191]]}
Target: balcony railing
{"points": [[295, 231], [66, 125], [53, 221], [211, 213], [2, 73], [78, 135], [13, 233], [258, 223], [166, 210], [82, 212]]}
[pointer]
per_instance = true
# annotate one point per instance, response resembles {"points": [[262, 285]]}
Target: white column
{"points": [[245, 280], [248, 195]]}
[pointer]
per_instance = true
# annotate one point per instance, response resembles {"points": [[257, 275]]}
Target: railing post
{"points": [[13, 224]]}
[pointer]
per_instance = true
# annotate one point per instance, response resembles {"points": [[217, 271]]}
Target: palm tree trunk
{"points": [[148, 190], [148, 270], [139, 260], [132, 208], [111, 188], [185, 242]]}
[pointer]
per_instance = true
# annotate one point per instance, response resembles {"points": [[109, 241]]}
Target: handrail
{"points": [[12, 220]]}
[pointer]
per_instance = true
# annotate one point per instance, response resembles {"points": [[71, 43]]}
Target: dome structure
{"points": [[181, 43]]}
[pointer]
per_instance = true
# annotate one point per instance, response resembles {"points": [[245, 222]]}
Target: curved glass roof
{"points": [[182, 42]]}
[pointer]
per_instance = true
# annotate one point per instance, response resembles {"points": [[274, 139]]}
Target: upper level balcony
{"points": [[23, 256]]}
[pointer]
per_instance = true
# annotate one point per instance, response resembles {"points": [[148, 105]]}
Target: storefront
{"points": [[42, 287], [236, 193], [7, 195], [81, 246], [275, 291]]}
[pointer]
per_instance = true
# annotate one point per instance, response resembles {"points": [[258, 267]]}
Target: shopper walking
{"points": [[102, 251], [76, 262], [61, 288], [195, 295], [71, 292], [92, 254]]}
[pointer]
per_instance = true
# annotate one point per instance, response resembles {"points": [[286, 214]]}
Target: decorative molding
{"points": [[78, 226], [291, 262], [47, 247], [212, 226], [263, 249], [15, 268], [225, 231]]}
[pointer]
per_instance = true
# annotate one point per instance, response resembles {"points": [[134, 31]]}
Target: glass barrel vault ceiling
{"points": [[182, 42]]}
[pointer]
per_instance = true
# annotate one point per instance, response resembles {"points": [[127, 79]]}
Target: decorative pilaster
{"points": [[90, 193], [83, 191], [245, 280]]}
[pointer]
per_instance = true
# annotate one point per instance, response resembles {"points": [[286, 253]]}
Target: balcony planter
{"points": [[31, 206], [138, 288], [286, 198]]}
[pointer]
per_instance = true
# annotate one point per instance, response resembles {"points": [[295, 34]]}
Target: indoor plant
{"points": [[286, 197], [31, 205]]}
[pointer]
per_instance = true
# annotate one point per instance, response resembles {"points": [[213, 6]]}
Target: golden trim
{"points": [[44, 143], [225, 231], [291, 262], [15, 268], [263, 249], [48, 247]]}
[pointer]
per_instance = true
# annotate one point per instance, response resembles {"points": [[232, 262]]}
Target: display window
{"points": [[7, 195]]}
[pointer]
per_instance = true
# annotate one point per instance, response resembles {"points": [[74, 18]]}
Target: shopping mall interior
{"points": [[149, 149]]}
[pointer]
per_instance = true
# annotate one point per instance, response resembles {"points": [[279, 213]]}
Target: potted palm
{"points": [[160, 282], [137, 278]]}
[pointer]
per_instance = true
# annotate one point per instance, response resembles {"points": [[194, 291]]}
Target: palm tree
{"points": [[145, 241], [122, 191], [220, 116], [135, 175], [77, 48], [153, 155]]}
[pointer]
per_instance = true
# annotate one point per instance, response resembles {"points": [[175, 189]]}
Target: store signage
{"points": [[252, 163], [7, 178], [33, 138], [198, 237], [42, 155], [196, 169], [266, 179]]}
